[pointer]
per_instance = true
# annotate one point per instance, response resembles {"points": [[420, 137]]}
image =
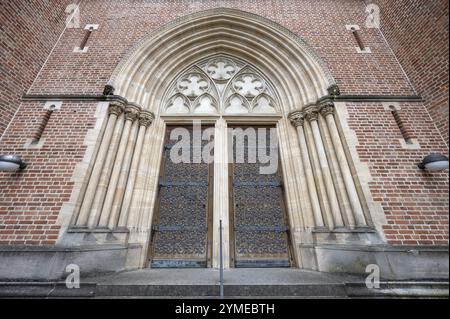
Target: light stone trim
{"points": [[349, 27], [298, 207], [335, 220], [387, 106], [366, 50], [56, 105], [79, 50], [218, 13], [313, 193], [361, 169], [29, 145], [106, 170], [91, 26], [221, 197], [100, 201], [152, 153], [344, 203], [303, 76], [123, 178], [414, 145], [336, 183], [300, 77], [91, 141], [318, 177], [49, 105], [346, 172], [145, 119]]}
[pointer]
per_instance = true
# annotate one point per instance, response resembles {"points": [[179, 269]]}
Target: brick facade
{"points": [[417, 31], [415, 203], [29, 30]]}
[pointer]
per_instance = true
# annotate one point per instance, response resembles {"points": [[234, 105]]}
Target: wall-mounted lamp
{"points": [[434, 162], [10, 163]]}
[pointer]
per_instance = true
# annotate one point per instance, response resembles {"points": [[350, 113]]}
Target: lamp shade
{"points": [[434, 162], [10, 163]]}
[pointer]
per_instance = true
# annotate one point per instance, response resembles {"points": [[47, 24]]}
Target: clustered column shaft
{"points": [[322, 181], [114, 172]]}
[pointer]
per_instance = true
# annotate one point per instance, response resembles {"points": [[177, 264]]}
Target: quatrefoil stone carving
{"points": [[249, 85], [193, 85], [221, 70]]}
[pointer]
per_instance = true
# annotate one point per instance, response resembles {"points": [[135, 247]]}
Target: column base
{"points": [[83, 236], [346, 236]]}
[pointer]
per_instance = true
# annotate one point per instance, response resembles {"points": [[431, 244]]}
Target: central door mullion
{"points": [[220, 197]]}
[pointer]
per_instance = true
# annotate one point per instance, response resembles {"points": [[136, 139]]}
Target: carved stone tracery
{"points": [[220, 85]]}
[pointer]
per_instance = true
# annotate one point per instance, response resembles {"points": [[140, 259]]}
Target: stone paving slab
{"points": [[245, 276]]}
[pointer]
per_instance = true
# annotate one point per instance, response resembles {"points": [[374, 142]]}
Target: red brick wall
{"points": [[418, 33], [321, 23], [28, 32], [30, 201], [415, 202]]}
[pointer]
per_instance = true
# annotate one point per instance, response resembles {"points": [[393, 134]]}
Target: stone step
{"points": [[45, 290], [348, 290], [238, 283], [401, 289], [308, 290]]}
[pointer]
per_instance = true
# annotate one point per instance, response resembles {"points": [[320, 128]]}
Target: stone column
{"points": [[150, 188], [133, 222], [335, 219], [115, 109], [298, 120], [328, 111], [145, 120], [102, 186], [123, 178], [131, 114], [311, 114], [339, 186]]}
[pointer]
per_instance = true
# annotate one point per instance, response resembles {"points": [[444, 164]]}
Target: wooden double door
{"points": [[182, 231]]}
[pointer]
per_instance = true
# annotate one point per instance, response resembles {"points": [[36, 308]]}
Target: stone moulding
{"points": [[299, 74], [219, 12]]}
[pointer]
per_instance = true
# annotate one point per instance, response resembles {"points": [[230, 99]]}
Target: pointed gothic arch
{"points": [[295, 69], [322, 191]]}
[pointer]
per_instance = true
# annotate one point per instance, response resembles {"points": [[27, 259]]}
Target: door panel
{"points": [[180, 237], [260, 226]]}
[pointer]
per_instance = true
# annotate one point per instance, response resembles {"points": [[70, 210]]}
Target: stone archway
{"points": [[323, 198]]}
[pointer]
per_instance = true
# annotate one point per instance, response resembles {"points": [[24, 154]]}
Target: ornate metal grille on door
{"points": [[259, 219], [180, 235]]}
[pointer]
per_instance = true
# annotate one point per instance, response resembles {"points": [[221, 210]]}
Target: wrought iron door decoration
{"points": [[260, 226], [180, 231]]}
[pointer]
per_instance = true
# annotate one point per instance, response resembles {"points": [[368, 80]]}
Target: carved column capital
{"points": [[132, 112], [116, 108], [297, 118], [326, 108], [311, 112], [146, 118]]}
